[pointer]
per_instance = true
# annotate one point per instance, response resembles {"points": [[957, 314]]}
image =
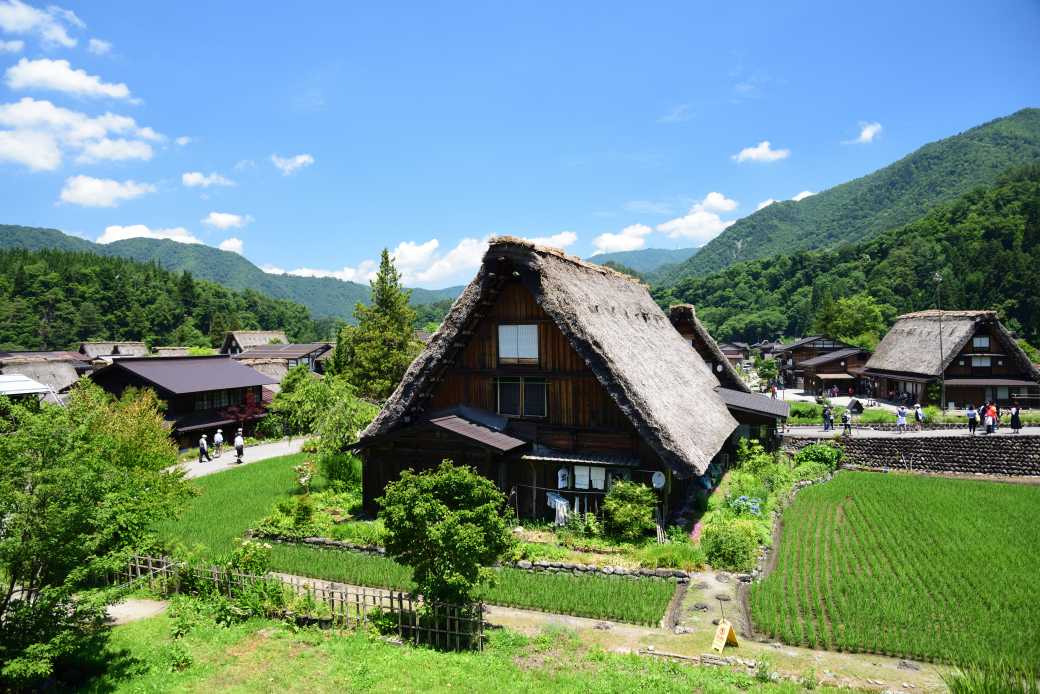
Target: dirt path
{"points": [[132, 610]]}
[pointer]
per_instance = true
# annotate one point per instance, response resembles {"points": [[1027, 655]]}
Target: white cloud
{"points": [[42, 133], [702, 223], [96, 192], [628, 239], [466, 256], [766, 203], [271, 269], [290, 165], [366, 270], [245, 164], [99, 47], [761, 152], [117, 233], [18, 18], [676, 114], [58, 75], [649, 207], [183, 140], [561, 240], [232, 244], [196, 178], [866, 134], [223, 220], [803, 195], [11, 46]]}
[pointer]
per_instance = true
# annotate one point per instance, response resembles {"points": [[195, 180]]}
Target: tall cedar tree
{"points": [[374, 356], [217, 331]]}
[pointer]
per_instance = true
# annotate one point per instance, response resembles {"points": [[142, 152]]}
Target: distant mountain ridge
{"points": [[324, 296], [862, 209], [645, 259]]}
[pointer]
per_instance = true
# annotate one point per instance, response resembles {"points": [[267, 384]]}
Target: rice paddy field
{"points": [[232, 500], [917, 567]]}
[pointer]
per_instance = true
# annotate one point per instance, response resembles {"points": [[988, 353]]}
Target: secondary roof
{"points": [[190, 374]]}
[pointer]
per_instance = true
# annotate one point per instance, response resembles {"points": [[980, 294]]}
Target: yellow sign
{"points": [[723, 635]]}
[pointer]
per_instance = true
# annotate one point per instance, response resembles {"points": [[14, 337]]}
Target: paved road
{"points": [[818, 432], [252, 454]]}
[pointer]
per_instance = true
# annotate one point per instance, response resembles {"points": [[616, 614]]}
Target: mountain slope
{"points": [[324, 296], [861, 209], [645, 259]]}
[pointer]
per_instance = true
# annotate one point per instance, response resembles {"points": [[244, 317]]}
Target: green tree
{"points": [[375, 355], [88, 322], [234, 324], [446, 525], [187, 289], [628, 510], [161, 314], [137, 323], [217, 331]]}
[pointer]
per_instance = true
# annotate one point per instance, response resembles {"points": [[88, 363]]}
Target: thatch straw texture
{"points": [[251, 338], [661, 385], [171, 351], [272, 368], [686, 313], [57, 372], [104, 349], [912, 345]]}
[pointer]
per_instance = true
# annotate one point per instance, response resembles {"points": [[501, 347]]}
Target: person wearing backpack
{"points": [[846, 423], [973, 420], [827, 414], [918, 417]]}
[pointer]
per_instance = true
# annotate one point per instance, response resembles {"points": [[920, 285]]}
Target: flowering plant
{"points": [[249, 556], [744, 506], [305, 473]]}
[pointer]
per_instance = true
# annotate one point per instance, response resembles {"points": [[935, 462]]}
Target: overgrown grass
{"points": [[811, 413]]}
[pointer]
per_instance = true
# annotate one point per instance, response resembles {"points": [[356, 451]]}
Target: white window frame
{"points": [[518, 343], [980, 342], [981, 363]]}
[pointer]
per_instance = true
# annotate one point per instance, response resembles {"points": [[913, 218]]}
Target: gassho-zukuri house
{"points": [[551, 375], [980, 360]]}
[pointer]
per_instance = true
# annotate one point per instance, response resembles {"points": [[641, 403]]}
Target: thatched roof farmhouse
{"points": [[552, 371], [240, 340]]}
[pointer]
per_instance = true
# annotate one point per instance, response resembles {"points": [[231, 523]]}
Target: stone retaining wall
{"points": [[983, 455]]}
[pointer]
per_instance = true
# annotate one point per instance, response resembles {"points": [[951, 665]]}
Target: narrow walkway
{"points": [[816, 432], [252, 454]]}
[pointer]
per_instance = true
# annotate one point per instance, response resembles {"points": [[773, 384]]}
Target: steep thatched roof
{"points": [[658, 382], [244, 339], [171, 351], [105, 349], [272, 368], [57, 372], [687, 312], [912, 345]]}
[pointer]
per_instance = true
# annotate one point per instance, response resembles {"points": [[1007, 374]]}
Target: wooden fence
{"points": [[437, 624]]}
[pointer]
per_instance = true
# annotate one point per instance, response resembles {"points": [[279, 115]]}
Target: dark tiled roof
{"points": [[283, 351], [827, 358], [423, 335], [752, 402], [799, 343], [191, 374], [479, 434], [989, 382]]}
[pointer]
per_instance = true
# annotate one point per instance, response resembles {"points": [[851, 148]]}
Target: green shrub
{"points": [[360, 532], [673, 556], [340, 470], [731, 544], [826, 455], [629, 510], [303, 511]]}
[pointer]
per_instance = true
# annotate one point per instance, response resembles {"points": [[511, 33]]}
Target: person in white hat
{"points": [[204, 449], [918, 416], [218, 442], [240, 445]]}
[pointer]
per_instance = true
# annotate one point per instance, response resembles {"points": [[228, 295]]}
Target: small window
{"points": [[518, 344], [517, 397], [980, 342], [980, 362], [689, 341]]}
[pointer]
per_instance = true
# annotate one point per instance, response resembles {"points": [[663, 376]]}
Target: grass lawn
{"points": [[925, 568], [239, 659]]}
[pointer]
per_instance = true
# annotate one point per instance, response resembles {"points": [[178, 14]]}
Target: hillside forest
{"points": [[985, 246], [56, 299]]}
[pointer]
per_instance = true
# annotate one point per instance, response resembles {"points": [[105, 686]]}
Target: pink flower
{"points": [[695, 534]]}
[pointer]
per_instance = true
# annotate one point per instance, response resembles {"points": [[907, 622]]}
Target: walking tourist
{"points": [[918, 416], [240, 445], [828, 416], [1016, 418], [204, 449], [774, 392], [846, 423], [999, 412], [989, 416], [973, 420], [218, 442], [901, 419]]}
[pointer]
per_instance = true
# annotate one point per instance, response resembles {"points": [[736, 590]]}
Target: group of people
{"points": [[903, 399], [901, 414], [828, 420], [834, 392], [989, 416], [218, 446]]}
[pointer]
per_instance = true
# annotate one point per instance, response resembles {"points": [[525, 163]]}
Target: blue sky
{"points": [[308, 136]]}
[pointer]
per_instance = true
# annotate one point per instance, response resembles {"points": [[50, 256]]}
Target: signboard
{"points": [[723, 635]]}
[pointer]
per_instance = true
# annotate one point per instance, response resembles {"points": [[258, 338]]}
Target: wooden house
{"points": [[236, 341], [552, 375], [196, 390], [684, 318], [794, 353], [55, 371], [839, 369], [978, 359]]}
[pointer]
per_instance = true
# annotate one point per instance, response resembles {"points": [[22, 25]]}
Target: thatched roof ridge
{"points": [[687, 311], [661, 385], [251, 338], [272, 368], [104, 349], [171, 351], [57, 372], [912, 345]]}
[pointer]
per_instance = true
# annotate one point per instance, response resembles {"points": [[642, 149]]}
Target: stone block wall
{"points": [[987, 455]]}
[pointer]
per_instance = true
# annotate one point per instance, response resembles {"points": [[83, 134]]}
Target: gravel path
{"points": [[132, 610], [252, 454]]}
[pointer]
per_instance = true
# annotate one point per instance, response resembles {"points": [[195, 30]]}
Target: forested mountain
{"points": [[861, 209], [645, 259], [985, 245], [56, 299], [324, 296]]}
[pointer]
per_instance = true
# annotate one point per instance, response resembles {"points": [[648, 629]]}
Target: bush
{"points": [[731, 544], [340, 470], [824, 454], [629, 510], [673, 556], [303, 511]]}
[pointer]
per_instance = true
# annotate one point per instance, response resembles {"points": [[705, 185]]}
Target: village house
{"points": [[236, 341], [276, 360], [841, 369], [792, 355], [552, 376], [978, 359], [197, 390], [736, 352], [56, 371], [760, 417]]}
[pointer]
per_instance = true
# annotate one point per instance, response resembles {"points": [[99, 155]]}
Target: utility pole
{"points": [[942, 360]]}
